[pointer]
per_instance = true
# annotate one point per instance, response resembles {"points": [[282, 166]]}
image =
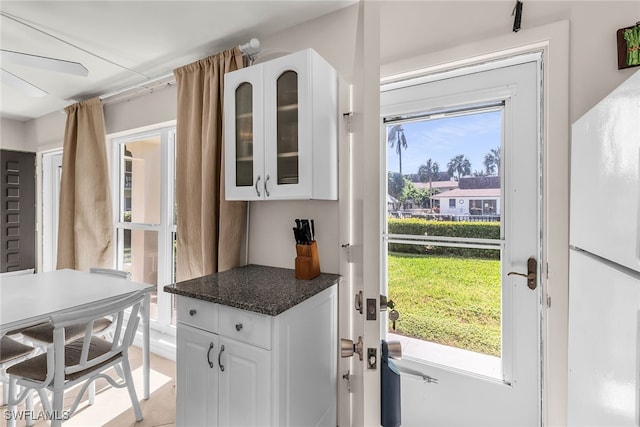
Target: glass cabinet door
{"points": [[244, 135], [287, 128]]}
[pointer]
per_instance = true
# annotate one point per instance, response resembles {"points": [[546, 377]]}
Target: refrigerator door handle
{"points": [[532, 273]]}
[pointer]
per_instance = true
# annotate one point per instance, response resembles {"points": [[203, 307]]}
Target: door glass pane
{"points": [[444, 229], [141, 182], [287, 128], [244, 135], [140, 258]]}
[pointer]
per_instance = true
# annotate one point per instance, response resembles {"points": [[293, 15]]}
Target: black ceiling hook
{"points": [[517, 11]]}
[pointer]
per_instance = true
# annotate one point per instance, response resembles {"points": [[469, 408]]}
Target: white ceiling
{"points": [[130, 42]]}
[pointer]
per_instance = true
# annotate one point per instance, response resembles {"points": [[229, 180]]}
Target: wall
{"points": [[13, 136], [413, 28], [270, 238]]}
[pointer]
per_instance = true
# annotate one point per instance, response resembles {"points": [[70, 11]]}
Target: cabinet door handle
{"points": [[238, 327], [257, 181], [208, 354], [266, 191], [220, 354], [192, 312]]}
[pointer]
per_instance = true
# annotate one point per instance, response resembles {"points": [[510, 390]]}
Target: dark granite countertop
{"points": [[257, 288]]}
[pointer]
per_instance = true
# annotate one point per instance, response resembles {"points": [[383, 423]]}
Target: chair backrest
{"points": [[126, 325], [111, 272]]}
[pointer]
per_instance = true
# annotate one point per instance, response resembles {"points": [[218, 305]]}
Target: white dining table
{"points": [[30, 299]]}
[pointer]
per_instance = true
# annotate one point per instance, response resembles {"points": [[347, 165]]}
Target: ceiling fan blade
{"points": [[52, 64], [23, 85]]}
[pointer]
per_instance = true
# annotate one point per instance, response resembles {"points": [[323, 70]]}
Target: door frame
{"points": [[467, 88], [50, 204], [555, 186]]}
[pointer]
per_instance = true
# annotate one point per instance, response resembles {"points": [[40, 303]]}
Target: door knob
{"points": [[532, 273], [347, 347]]}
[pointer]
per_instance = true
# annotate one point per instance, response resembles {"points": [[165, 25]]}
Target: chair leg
{"points": [[5, 391], [132, 391], [92, 392], [12, 404], [58, 406], [29, 407]]}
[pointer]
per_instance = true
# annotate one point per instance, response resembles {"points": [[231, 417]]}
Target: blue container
{"points": [[389, 390]]}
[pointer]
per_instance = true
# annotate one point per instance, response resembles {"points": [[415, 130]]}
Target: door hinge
{"points": [[548, 301], [348, 120], [347, 247], [347, 377]]}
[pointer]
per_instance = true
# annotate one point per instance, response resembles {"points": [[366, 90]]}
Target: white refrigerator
{"points": [[604, 283]]}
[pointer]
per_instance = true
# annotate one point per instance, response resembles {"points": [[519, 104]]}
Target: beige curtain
{"points": [[210, 230], [85, 225]]}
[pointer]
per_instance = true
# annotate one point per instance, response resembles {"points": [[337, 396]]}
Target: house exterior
{"points": [[437, 186], [472, 196], [415, 44], [471, 202]]}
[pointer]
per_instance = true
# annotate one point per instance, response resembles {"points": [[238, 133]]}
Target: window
{"points": [[482, 207], [444, 279], [145, 224]]}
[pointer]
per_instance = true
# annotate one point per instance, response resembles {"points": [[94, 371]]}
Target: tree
{"points": [[492, 161], [459, 166], [397, 139], [410, 192], [427, 173], [395, 185]]}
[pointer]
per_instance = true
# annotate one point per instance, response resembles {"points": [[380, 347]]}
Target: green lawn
{"points": [[447, 300]]}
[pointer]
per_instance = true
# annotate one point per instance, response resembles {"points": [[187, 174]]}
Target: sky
{"points": [[442, 139]]}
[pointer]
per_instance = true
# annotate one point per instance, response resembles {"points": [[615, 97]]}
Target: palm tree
{"points": [[397, 139], [492, 161], [428, 172], [459, 166]]}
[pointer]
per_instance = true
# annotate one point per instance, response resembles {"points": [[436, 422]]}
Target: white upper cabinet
{"points": [[281, 130]]}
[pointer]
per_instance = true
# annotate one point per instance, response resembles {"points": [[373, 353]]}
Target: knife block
{"points": [[307, 262]]}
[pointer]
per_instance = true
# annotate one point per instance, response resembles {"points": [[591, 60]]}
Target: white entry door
{"points": [[482, 210]]}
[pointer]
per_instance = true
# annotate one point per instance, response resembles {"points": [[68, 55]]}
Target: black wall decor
{"points": [[629, 46]]}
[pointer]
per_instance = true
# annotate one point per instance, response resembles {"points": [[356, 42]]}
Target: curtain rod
{"points": [[155, 82], [249, 49]]}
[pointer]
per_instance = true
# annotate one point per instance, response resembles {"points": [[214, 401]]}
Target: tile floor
{"points": [[112, 406]]}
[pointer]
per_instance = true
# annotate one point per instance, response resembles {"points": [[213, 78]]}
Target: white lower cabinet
{"points": [[244, 385], [240, 368], [197, 387]]}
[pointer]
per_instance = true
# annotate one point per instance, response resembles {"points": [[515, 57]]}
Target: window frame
{"points": [[166, 229]]}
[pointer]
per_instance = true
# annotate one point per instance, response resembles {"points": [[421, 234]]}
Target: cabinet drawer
{"points": [[245, 326], [198, 313]]}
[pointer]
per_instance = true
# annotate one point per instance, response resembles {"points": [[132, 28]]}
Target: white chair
{"points": [[111, 272], [12, 352], [66, 364], [42, 335]]}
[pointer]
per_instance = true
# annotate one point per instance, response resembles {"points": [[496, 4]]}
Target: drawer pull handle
{"points": [[220, 363], [192, 312], [208, 354], [238, 327]]}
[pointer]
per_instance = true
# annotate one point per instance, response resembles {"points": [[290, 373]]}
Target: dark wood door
{"points": [[18, 210]]}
